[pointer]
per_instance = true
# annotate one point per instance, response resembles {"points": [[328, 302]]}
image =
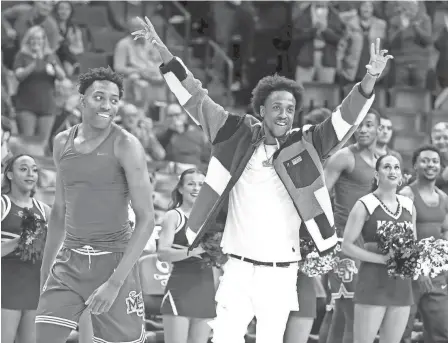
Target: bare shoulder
{"points": [[343, 159], [407, 192], [128, 148], [61, 138], [59, 142]]}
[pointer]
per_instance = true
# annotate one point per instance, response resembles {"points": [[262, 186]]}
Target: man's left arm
{"points": [[331, 135], [132, 158]]}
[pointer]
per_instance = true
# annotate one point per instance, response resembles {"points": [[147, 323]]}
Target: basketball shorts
{"points": [[75, 274]]}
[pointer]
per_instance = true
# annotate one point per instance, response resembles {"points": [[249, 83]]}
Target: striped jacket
{"points": [[298, 162]]}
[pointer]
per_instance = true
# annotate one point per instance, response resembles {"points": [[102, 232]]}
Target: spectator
{"points": [[183, 142], [21, 17], [317, 116], [36, 68], [72, 43], [410, 40], [363, 28], [139, 63], [317, 30], [385, 132], [441, 44], [134, 121]]}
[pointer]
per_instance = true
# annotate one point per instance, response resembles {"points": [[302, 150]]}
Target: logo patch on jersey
{"points": [[345, 269], [134, 304]]}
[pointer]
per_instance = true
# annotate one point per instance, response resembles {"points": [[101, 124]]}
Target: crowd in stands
{"points": [[325, 45]]}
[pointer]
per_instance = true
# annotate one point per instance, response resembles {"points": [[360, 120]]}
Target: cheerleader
{"points": [[20, 279], [381, 302], [189, 301]]}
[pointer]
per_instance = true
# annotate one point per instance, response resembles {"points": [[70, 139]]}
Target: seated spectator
{"points": [[139, 63], [410, 44], [133, 120], [317, 30], [183, 142], [36, 68], [72, 43], [363, 28], [22, 17]]}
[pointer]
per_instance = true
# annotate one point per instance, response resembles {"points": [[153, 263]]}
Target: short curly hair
{"points": [[100, 74], [269, 84], [426, 147]]}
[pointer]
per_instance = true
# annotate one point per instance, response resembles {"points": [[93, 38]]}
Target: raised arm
{"points": [[188, 90], [330, 135], [56, 220]]}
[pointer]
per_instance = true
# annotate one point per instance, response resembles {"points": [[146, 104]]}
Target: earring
{"points": [[377, 182], [400, 183]]}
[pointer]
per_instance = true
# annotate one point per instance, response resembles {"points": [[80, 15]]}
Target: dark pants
{"points": [[408, 74], [344, 312], [433, 308]]}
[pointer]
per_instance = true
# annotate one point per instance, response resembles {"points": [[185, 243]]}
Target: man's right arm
{"points": [[56, 223], [336, 164]]}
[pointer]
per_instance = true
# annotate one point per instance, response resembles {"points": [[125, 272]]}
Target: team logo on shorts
{"points": [[345, 269], [134, 304]]}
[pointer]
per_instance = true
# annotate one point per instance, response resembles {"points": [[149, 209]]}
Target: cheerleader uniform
{"points": [[190, 291], [20, 279], [374, 286]]}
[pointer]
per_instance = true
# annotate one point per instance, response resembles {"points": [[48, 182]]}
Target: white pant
{"points": [[245, 291]]}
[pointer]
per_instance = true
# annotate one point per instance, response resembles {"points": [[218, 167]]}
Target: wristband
{"points": [[376, 75]]}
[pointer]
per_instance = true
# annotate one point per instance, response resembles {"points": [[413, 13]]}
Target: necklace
{"points": [[387, 209], [269, 159]]}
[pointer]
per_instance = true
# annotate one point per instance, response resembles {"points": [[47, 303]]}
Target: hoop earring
{"points": [[377, 182], [400, 183]]}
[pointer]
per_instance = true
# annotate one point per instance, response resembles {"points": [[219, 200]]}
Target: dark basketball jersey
{"points": [[96, 196]]}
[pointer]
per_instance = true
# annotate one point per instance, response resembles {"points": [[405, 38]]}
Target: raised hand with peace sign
{"points": [[378, 59]]}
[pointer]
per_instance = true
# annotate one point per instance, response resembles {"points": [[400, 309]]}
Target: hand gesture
{"points": [[378, 59], [148, 32], [101, 300]]}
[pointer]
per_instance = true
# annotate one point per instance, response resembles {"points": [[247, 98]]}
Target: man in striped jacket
{"points": [[269, 180]]}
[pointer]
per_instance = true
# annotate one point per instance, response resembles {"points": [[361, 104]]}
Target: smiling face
{"points": [[439, 137], [428, 165], [366, 133], [100, 104], [36, 41], [191, 186], [389, 172], [278, 114], [63, 10], [23, 174]]}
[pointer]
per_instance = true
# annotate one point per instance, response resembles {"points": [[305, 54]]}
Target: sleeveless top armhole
{"points": [[6, 204], [181, 220], [406, 203], [370, 202]]}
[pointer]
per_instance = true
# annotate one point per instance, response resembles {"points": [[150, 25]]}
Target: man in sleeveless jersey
{"points": [[431, 204], [350, 173], [100, 168]]}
